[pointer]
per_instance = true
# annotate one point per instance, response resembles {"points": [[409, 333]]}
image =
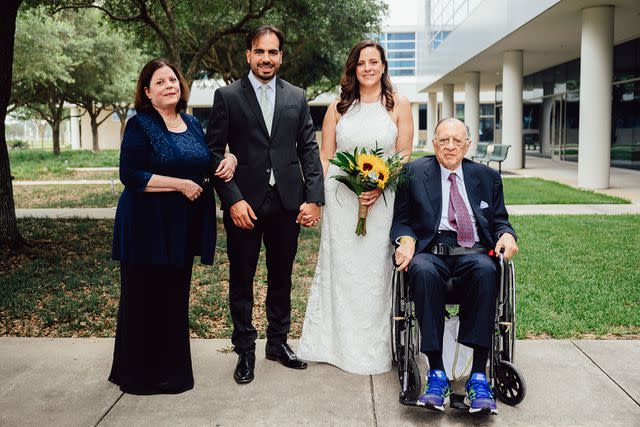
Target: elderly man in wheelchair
{"points": [[450, 221]]}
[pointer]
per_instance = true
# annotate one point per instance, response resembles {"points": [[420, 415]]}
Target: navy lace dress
{"points": [[156, 236]]}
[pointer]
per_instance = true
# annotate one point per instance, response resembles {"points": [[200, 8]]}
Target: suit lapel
{"points": [[472, 186], [433, 186], [250, 94], [280, 100]]}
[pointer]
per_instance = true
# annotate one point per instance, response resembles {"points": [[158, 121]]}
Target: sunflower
{"points": [[368, 163], [383, 176]]}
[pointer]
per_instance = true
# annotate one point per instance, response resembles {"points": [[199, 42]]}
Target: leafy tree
{"points": [[9, 235], [106, 71], [46, 53], [319, 36], [206, 37]]}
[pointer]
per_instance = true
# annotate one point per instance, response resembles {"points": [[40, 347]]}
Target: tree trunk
{"points": [[94, 132], [9, 234], [55, 135], [123, 125]]}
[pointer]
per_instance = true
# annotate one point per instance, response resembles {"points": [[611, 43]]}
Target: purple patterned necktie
{"points": [[459, 217]]}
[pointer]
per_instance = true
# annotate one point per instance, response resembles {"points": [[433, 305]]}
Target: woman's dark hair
{"points": [[142, 102], [261, 31], [350, 87]]}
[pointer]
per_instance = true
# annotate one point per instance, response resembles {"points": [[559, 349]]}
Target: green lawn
{"points": [[43, 165], [576, 278], [578, 275], [532, 191], [67, 196]]}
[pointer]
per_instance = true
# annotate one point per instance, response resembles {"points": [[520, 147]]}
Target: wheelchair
{"points": [[506, 379]]}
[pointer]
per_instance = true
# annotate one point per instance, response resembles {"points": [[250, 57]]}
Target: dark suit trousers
{"points": [[475, 289], [278, 229]]}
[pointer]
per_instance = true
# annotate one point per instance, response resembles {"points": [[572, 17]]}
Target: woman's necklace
{"points": [[173, 124]]}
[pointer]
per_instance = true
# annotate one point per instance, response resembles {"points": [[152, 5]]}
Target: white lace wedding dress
{"points": [[348, 313]]}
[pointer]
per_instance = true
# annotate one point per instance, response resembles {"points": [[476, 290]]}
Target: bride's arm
{"points": [[404, 142], [328, 148]]}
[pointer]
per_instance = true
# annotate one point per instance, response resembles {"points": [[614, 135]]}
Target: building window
{"points": [[401, 52], [445, 15], [422, 117]]}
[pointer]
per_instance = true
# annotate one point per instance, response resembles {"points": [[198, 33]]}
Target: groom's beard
{"points": [[266, 70]]}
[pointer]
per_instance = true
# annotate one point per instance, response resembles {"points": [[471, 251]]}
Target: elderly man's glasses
{"points": [[444, 141]]}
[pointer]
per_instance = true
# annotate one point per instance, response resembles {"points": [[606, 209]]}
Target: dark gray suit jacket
{"points": [[418, 204], [291, 150]]}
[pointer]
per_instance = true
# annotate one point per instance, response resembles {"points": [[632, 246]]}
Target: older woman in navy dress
{"points": [[165, 217]]}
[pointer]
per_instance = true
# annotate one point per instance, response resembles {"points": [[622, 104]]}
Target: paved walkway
{"points": [[62, 382], [68, 182]]}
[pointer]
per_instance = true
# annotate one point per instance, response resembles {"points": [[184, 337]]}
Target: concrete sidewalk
{"points": [[63, 382]]}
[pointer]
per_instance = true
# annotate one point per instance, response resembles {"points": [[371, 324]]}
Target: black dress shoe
{"points": [[244, 369], [283, 354]]}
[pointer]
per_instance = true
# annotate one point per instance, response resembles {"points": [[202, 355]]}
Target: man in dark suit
{"points": [[446, 218], [278, 185]]}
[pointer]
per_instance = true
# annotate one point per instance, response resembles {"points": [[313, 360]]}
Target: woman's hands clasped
{"points": [[190, 189]]}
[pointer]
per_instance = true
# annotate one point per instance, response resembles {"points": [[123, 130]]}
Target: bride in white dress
{"points": [[348, 313]]}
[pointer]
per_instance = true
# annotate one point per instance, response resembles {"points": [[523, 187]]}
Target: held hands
{"points": [[190, 189], [309, 214], [508, 243], [242, 215], [404, 253], [368, 198], [227, 168]]}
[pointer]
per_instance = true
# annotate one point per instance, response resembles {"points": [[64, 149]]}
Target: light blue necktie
{"points": [[265, 106]]}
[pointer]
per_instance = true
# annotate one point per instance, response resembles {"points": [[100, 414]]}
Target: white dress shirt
{"points": [[446, 185]]}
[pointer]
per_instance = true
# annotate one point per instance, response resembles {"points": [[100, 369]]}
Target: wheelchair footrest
{"points": [[407, 402], [456, 401]]}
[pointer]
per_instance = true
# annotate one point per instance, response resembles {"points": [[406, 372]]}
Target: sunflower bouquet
{"points": [[367, 169]]}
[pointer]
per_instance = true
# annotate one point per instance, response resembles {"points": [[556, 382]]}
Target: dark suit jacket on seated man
{"points": [[429, 210]]}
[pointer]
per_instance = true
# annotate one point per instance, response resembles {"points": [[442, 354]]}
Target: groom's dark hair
{"points": [[261, 31]]}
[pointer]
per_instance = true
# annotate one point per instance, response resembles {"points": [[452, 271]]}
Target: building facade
{"points": [[565, 77]]}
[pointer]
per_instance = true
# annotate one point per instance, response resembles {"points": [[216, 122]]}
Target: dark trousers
{"points": [[278, 229], [474, 286]]}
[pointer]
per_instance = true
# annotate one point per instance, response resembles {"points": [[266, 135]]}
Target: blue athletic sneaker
{"points": [[436, 391], [479, 395]]}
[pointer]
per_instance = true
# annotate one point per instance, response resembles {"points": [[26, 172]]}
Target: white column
{"points": [[596, 74], [512, 108], [432, 118], [448, 107], [472, 106], [415, 112], [75, 128]]}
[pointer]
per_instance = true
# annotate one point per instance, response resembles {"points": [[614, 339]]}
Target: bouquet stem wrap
{"points": [[363, 211]]}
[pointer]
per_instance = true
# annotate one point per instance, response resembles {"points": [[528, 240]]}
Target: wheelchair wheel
{"points": [[509, 385], [397, 325]]}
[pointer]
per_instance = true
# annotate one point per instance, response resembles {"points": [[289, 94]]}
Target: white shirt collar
{"points": [[444, 172], [257, 83]]}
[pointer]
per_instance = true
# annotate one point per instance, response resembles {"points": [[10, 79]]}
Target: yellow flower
{"points": [[383, 177], [368, 163]]}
